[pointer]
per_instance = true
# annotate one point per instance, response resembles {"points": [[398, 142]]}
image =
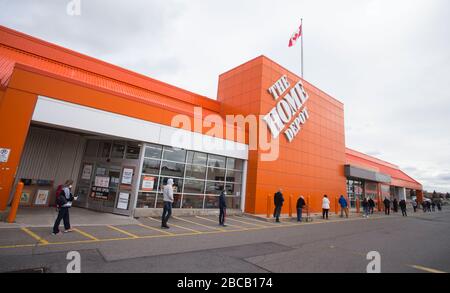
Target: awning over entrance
{"points": [[355, 172]]}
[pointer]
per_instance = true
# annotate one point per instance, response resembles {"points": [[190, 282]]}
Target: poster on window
{"points": [[4, 155], [41, 198], [147, 183], [122, 203], [127, 176], [87, 172], [101, 181]]}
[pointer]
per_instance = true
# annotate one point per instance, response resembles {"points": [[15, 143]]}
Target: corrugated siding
{"points": [[51, 155]]}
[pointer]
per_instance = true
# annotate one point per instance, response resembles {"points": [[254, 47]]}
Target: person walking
{"points": [[403, 207], [433, 206], [439, 205], [414, 204], [222, 208], [344, 206], [300, 205], [371, 205], [325, 207], [395, 205], [278, 201], [365, 205], [387, 206], [64, 201], [168, 201]]}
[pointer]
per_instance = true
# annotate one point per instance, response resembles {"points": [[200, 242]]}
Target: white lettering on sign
{"points": [[290, 107]]}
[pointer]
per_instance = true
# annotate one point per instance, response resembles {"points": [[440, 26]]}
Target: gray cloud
{"points": [[388, 61]]}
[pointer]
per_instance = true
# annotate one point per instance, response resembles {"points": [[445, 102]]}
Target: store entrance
{"points": [[108, 176]]}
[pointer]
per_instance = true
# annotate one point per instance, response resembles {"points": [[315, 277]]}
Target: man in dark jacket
{"points": [[278, 201], [403, 207], [387, 206], [300, 205], [395, 205], [371, 205], [223, 208]]}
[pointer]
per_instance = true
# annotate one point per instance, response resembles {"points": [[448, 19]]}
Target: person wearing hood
{"points": [[168, 201], [64, 199], [300, 205], [222, 208], [403, 207], [278, 201], [395, 205]]}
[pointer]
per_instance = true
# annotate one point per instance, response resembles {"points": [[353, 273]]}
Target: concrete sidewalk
{"points": [[45, 217]]}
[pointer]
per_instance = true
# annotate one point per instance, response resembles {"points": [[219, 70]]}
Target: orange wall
{"points": [[16, 109], [311, 165]]}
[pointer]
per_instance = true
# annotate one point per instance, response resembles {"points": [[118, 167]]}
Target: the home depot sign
{"points": [[289, 110]]}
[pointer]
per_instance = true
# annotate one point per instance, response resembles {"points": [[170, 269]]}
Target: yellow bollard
{"points": [[290, 206], [15, 203], [268, 206]]}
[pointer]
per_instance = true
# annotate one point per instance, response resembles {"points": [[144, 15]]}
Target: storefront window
{"points": [[192, 201], [211, 202], [195, 176], [153, 151], [118, 150], [151, 166], [197, 158], [216, 161], [91, 148], [214, 187], [216, 174], [194, 186], [104, 150], [172, 169], [195, 172], [146, 200], [175, 155], [133, 151]]}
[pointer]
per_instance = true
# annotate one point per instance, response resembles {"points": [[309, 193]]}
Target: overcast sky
{"points": [[388, 61]]}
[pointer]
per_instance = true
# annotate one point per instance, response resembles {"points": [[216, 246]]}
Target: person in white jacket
{"points": [[168, 201], [325, 206]]}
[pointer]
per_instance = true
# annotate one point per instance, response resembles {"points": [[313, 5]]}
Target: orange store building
{"points": [[120, 135]]}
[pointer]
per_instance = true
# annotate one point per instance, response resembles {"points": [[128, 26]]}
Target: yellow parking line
{"points": [[206, 219], [181, 227], [123, 231], [35, 236], [429, 270], [85, 234], [199, 224], [248, 223], [154, 229]]}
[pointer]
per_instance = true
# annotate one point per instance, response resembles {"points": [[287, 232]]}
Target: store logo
{"points": [[289, 110]]}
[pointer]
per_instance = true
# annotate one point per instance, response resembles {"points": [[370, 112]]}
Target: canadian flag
{"points": [[295, 37]]}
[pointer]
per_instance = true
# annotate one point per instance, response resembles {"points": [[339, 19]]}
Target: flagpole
{"points": [[301, 25]]}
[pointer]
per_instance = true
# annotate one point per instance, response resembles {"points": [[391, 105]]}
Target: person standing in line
{"points": [[344, 206], [403, 207], [64, 201], [168, 201], [325, 207], [395, 205], [387, 206], [278, 201], [414, 204], [222, 208], [371, 205], [300, 205], [365, 205]]}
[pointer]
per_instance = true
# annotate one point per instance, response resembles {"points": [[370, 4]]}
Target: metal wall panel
{"points": [[51, 155]]}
